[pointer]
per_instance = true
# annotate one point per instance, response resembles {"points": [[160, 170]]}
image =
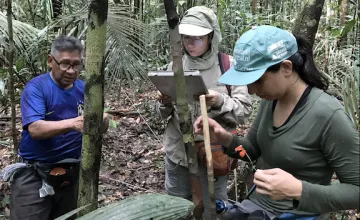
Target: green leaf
{"points": [[335, 33], [112, 123], [144, 207], [2, 87], [222, 3], [349, 25], [19, 64], [69, 214], [5, 201], [106, 109]]}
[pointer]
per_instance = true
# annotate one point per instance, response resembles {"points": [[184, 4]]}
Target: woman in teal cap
{"points": [[302, 133]]}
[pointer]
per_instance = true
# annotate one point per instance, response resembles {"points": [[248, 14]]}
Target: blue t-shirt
{"points": [[42, 99]]}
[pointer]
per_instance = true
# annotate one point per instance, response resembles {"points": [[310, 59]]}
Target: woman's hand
{"points": [[164, 99], [212, 98], [217, 133], [277, 184]]}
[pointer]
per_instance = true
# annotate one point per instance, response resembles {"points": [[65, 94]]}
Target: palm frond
{"points": [[24, 34], [125, 40], [125, 45]]}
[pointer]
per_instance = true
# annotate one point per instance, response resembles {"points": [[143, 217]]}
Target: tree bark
{"points": [[343, 13], [11, 77], [57, 7], [93, 105], [307, 22], [326, 59], [137, 8], [182, 105], [253, 7], [189, 4], [274, 9]]}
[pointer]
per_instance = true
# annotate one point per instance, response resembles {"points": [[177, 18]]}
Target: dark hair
{"points": [[65, 43], [303, 63]]}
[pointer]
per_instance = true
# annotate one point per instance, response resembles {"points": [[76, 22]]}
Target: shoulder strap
{"points": [[224, 62]]}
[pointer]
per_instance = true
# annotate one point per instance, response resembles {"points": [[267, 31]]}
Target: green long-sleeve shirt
{"points": [[318, 140]]}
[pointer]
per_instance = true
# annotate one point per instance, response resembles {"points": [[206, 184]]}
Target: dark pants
{"points": [[26, 204]]}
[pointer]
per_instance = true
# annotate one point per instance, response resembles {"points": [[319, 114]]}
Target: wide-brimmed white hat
{"points": [[193, 30]]}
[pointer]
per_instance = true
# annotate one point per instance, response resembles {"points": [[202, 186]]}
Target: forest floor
{"points": [[132, 153]]}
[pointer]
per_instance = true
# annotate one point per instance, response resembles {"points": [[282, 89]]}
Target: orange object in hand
{"points": [[57, 171], [241, 150]]}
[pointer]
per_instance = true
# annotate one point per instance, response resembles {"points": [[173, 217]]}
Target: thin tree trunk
{"points": [[307, 22], [142, 11], [189, 4], [327, 48], [343, 13], [357, 26], [32, 14], [57, 6], [181, 102], [137, 8], [160, 12], [253, 7], [93, 105], [11, 77]]}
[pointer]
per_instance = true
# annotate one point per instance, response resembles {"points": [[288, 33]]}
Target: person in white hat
{"points": [[229, 106]]}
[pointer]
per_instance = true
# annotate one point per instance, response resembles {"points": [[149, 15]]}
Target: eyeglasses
{"points": [[66, 66], [196, 41]]}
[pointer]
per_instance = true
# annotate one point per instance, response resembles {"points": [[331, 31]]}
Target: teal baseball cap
{"points": [[255, 51]]}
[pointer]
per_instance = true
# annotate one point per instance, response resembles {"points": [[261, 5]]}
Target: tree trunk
{"points": [[307, 22], [326, 59], [343, 13], [142, 11], [11, 77], [137, 8], [93, 105], [189, 4], [266, 4], [274, 9], [160, 11], [253, 7], [57, 7], [181, 102]]}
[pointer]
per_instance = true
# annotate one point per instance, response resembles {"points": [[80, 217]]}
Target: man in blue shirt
{"points": [[52, 119]]}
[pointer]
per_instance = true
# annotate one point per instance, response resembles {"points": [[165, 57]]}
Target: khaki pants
{"points": [[26, 204], [177, 183]]}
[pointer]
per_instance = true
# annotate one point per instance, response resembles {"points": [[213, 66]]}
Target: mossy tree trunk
{"points": [[182, 104], [11, 76], [307, 21], [93, 105]]}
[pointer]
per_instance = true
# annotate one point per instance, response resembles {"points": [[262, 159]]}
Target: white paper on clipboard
{"points": [[164, 81]]}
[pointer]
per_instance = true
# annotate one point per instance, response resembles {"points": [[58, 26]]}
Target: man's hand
{"points": [[77, 124], [277, 184], [212, 98], [164, 99], [217, 133]]}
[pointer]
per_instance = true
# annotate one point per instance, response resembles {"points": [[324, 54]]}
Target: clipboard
{"points": [[164, 81]]}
